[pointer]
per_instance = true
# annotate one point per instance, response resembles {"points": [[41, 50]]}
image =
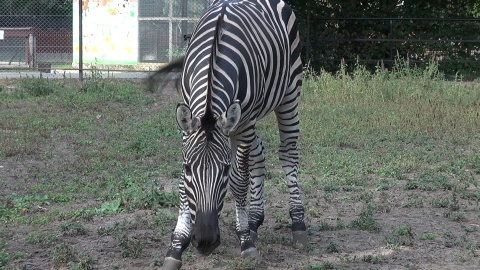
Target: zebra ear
{"points": [[185, 119], [228, 120]]}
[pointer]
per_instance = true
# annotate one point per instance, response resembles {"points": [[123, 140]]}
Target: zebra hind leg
{"points": [[257, 176], [288, 124]]}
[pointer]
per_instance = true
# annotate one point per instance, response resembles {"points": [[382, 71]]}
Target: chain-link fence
{"points": [[34, 33], [140, 34], [453, 43], [115, 34], [164, 27]]}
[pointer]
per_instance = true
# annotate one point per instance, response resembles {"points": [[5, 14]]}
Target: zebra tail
{"points": [[161, 77]]}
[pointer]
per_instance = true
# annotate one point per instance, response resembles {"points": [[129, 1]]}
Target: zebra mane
{"points": [[208, 120]]}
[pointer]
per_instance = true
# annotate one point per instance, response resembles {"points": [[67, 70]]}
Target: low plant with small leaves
{"points": [[365, 221], [401, 236]]}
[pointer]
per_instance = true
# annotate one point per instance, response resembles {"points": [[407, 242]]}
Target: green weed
{"points": [[333, 247], [324, 226], [384, 184], [321, 266], [413, 201], [72, 229], [119, 227], [15, 205], [64, 255], [82, 214], [365, 197], [428, 236], [38, 87], [163, 220], [5, 257], [373, 259], [440, 202], [474, 163], [429, 180], [131, 247], [450, 240], [340, 224], [400, 236], [365, 221], [83, 263], [455, 216], [40, 238], [246, 264], [110, 207]]}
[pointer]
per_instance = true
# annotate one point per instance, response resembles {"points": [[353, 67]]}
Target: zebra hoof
{"points": [[300, 239], [252, 254], [171, 264], [254, 236]]}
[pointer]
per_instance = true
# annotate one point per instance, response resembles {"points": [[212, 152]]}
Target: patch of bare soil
{"points": [[343, 248]]}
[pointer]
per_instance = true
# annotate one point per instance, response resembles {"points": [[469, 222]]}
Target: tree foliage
{"points": [[43, 14], [35, 7], [330, 33]]}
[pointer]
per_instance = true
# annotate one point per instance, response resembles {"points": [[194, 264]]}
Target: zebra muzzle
{"points": [[206, 233]]}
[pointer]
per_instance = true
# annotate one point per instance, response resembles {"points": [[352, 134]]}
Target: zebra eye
{"points": [[187, 169]]}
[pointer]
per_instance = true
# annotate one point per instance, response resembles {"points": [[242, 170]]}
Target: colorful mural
{"points": [[110, 31]]}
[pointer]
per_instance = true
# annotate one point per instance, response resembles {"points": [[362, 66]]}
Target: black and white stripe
{"points": [[243, 62]]}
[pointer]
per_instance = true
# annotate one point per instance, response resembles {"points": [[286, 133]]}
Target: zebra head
{"points": [[206, 165]]}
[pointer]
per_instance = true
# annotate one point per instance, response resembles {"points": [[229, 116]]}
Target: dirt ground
{"points": [[356, 249], [453, 243]]}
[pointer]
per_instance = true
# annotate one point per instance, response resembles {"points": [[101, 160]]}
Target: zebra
{"points": [[242, 62]]}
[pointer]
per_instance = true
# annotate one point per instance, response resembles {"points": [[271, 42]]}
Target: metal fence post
{"points": [[390, 56], [170, 31], [31, 51], [80, 41]]}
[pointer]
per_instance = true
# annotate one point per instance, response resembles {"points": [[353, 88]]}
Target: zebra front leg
{"points": [[288, 124], [257, 177], [181, 235], [239, 186]]}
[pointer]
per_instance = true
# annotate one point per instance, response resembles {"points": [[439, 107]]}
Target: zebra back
{"points": [[240, 50]]}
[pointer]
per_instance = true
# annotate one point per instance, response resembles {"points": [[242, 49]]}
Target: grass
{"points": [[64, 255], [362, 114], [34, 119], [371, 145]]}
